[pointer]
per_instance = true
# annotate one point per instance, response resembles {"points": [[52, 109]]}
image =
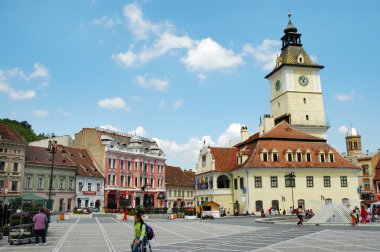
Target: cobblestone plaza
{"points": [[233, 234]]}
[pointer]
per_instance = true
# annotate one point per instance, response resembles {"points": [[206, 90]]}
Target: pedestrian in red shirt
{"points": [[125, 214], [363, 214], [40, 221]]}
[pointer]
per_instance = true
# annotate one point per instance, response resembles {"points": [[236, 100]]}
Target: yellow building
{"points": [[295, 87]]}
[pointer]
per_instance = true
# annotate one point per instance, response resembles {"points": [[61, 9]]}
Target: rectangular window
{"points": [[98, 187], [343, 181], [113, 163], [290, 159], [2, 183], [109, 179], [135, 181], [309, 181], [129, 181], [151, 168], [299, 156], [203, 160], [265, 157], [141, 181], [40, 182], [331, 157], [258, 182], [170, 193], [241, 183], [89, 187], [235, 184], [151, 182], [121, 164], [2, 166], [145, 167], [188, 194], [113, 179], [61, 183], [71, 183], [80, 184], [135, 168], [129, 165], [275, 157], [15, 167], [109, 163], [326, 181], [308, 157], [145, 181], [273, 181], [28, 181], [322, 158], [141, 166], [121, 180], [14, 186]]}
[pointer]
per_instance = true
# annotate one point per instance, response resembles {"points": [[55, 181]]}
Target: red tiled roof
{"points": [[8, 133], [175, 176], [42, 156], [225, 158], [284, 131], [83, 160]]}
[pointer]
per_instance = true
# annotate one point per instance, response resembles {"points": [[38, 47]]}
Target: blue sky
{"points": [[181, 71]]}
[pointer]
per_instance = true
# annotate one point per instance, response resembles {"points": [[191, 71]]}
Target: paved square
{"points": [[240, 234]]}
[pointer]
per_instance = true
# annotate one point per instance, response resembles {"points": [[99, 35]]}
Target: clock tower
{"points": [[295, 87]]}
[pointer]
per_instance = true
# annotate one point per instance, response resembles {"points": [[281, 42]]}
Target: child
{"points": [[353, 217]]}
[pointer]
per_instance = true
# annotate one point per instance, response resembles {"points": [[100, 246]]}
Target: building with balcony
{"points": [[38, 168], [12, 162], [180, 190], [133, 167]]}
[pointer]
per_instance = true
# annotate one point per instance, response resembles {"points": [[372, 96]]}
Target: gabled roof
{"points": [[225, 158], [8, 133], [42, 156], [83, 160], [175, 176], [284, 131]]}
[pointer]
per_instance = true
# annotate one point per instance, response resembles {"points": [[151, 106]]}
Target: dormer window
{"points": [[275, 157], [300, 59], [264, 155], [331, 157], [299, 156], [322, 157], [289, 157], [308, 157]]}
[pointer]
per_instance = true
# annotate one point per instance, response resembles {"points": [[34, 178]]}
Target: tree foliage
{"points": [[24, 129]]}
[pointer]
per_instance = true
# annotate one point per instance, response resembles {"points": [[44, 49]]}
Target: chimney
{"points": [[244, 133]]}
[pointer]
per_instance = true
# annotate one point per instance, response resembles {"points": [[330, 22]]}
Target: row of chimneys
{"points": [[263, 127]]}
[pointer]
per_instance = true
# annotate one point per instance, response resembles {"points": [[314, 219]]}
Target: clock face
{"points": [[278, 85], [303, 80]]}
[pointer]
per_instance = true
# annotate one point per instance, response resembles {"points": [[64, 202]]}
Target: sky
{"points": [[181, 72]]}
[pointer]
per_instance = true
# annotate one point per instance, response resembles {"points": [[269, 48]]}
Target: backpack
{"points": [[149, 232]]}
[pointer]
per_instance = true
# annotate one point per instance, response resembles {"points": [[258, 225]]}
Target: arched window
{"points": [[328, 201], [301, 203], [259, 205], [275, 205], [223, 181], [345, 202], [210, 183]]}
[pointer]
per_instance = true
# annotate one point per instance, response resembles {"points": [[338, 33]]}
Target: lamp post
{"points": [[290, 182], [53, 148]]}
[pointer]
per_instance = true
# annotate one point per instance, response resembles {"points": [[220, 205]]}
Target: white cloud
{"points": [[343, 130], [208, 55], [165, 43], [17, 94], [154, 83], [113, 104], [40, 71], [264, 54], [110, 127], [232, 134], [106, 21], [15, 73], [140, 27], [40, 113], [177, 104], [139, 131], [186, 154], [345, 97]]}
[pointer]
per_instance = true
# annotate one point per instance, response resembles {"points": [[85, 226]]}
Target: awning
{"points": [[32, 197]]}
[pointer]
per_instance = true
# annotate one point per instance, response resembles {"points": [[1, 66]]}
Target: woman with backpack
{"points": [[140, 237]]}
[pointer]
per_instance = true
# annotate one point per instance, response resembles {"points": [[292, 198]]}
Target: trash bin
{"points": [[61, 216]]}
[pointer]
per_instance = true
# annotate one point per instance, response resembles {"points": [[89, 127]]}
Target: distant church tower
{"points": [[295, 87], [353, 143]]}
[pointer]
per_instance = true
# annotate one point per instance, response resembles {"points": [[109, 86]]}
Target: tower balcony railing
{"points": [[311, 123]]}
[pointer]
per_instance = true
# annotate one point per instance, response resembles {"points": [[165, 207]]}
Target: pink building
{"points": [[134, 173]]}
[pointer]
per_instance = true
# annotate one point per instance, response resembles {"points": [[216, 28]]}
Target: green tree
{"points": [[24, 129]]}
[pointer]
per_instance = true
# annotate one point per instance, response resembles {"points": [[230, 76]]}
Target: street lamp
{"points": [[290, 182], [53, 148]]}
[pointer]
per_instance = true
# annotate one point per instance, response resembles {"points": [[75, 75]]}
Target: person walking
{"points": [[40, 220], [300, 216], [353, 217], [140, 237], [363, 214], [125, 214]]}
